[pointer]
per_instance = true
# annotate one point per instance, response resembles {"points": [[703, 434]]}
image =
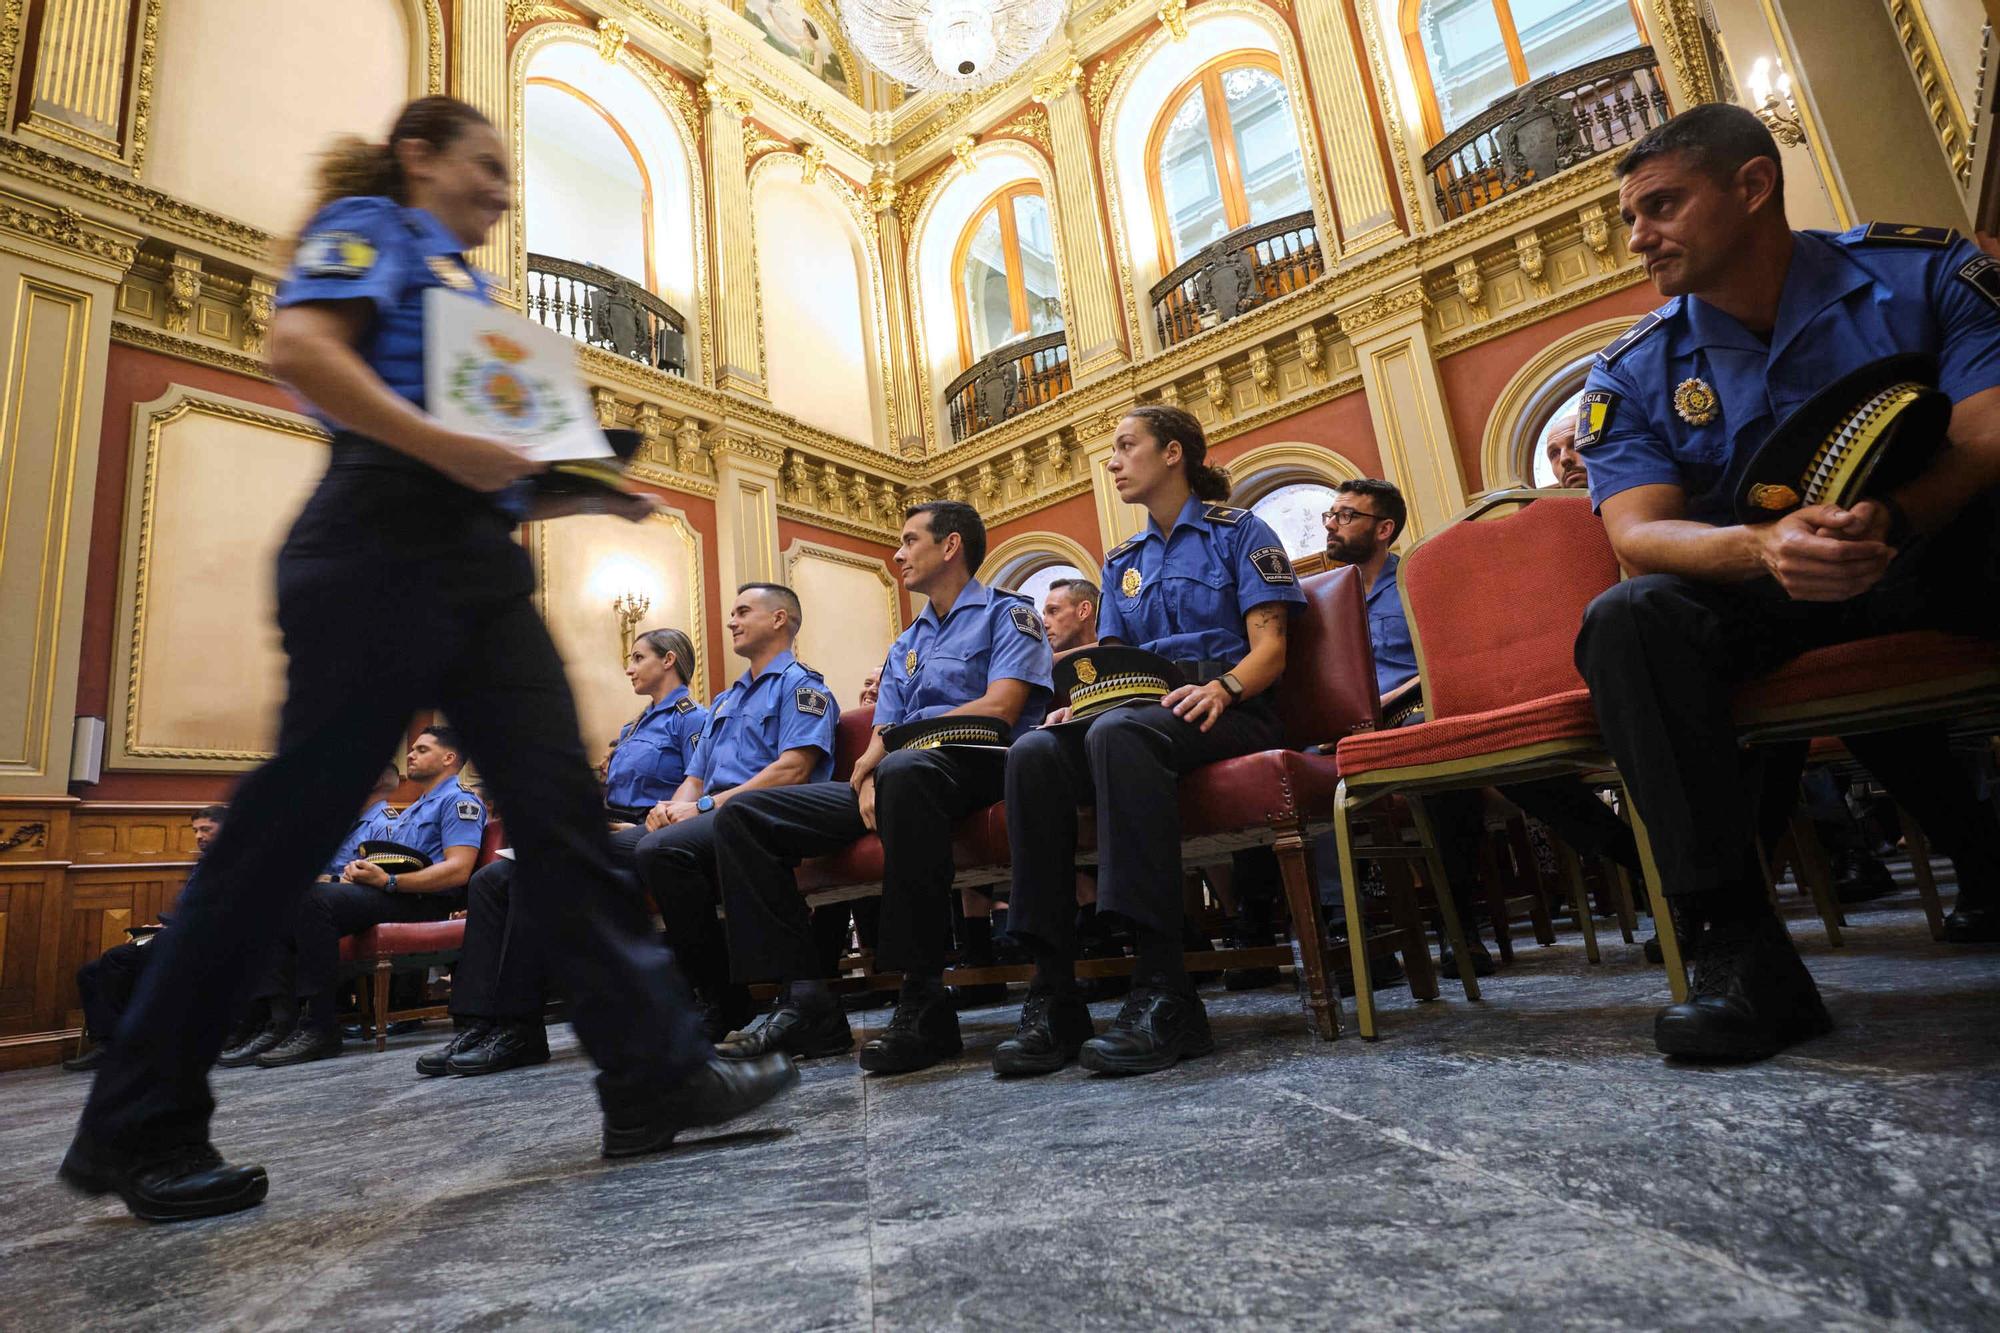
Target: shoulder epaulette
{"points": [[1906, 233], [1221, 513], [1623, 343], [685, 706], [1120, 549]]}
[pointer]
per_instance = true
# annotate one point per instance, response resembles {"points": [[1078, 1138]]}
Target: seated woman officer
{"points": [[499, 988], [1205, 585]]}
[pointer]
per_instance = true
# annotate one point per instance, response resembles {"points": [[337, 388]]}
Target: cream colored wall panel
{"points": [[200, 665], [249, 92], [586, 562], [811, 265], [851, 615]]}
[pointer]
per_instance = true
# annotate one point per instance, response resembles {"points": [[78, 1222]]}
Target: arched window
{"points": [[1223, 154], [1293, 511], [1465, 53], [1005, 268], [589, 195], [1035, 586]]}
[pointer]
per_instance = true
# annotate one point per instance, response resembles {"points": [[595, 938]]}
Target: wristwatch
{"points": [[1233, 685], [705, 804], [390, 887]]}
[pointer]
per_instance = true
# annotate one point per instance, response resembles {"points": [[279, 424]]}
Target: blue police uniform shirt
{"points": [[446, 816], [1848, 299], [937, 665], [1389, 630], [653, 752], [1183, 594], [788, 707], [376, 823]]}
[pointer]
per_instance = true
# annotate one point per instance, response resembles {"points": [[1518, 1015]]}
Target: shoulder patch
{"points": [[1026, 621], [335, 254], [1982, 274], [1623, 342], [1593, 415], [1908, 233], [1274, 565], [1220, 513], [1120, 549], [470, 810], [685, 706], [809, 701]]}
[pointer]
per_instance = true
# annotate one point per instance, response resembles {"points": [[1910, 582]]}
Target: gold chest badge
{"points": [[1130, 584], [1085, 671], [1695, 402], [910, 662]]}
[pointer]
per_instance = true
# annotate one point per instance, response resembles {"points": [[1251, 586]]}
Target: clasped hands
{"points": [[1823, 553]]}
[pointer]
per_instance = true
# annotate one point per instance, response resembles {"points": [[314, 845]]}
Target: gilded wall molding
{"points": [[802, 549], [188, 349], [1678, 22], [140, 202], [1539, 311], [1947, 114], [66, 229], [433, 47]]}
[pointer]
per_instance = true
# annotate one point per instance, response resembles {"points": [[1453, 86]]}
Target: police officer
{"points": [[407, 495], [498, 986], [1759, 318], [1207, 585], [773, 728], [974, 650]]}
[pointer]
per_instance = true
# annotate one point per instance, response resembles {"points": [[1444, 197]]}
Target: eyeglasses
{"points": [[1343, 516]]}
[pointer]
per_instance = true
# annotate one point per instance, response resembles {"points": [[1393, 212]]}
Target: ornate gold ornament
{"points": [[1173, 17], [962, 150], [611, 39], [882, 192], [1770, 495], [1056, 84], [1695, 402], [1129, 585], [1086, 670], [910, 662], [815, 161]]}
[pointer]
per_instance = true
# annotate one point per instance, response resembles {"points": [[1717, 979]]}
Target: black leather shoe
{"points": [[1386, 974], [1157, 1027], [432, 1063], [723, 1018], [174, 1186], [258, 1042], [1654, 953], [305, 1045], [1750, 996], [1978, 923], [922, 1032], [507, 1046], [1482, 961], [1053, 1028], [720, 1090], [791, 1029], [87, 1061], [1859, 878]]}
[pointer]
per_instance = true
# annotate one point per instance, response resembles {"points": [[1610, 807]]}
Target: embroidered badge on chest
{"points": [[910, 662], [1132, 582], [1695, 402]]}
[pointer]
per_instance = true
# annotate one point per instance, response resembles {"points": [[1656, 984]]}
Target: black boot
{"points": [[1859, 877], [1159, 1026], [307, 1043], [802, 1026], [431, 1064], [1482, 961], [1975, 915], [1386, 973], [1053, 1028], [922, 1032], [718, 1091], [1750, 997], [173, 1186], [86, 1061], [507, 1046], [263, 1039]]}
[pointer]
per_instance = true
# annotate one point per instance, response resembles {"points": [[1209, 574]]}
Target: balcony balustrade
{"points": [[604, 309], [1236, 273], [1007, 382]]}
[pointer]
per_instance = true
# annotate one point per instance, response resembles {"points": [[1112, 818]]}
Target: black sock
{"points": [[919, 987], [322, 1013], [978, 950], [1744, 905], [1158, 959], [1053, 971], [814, 995], [284, 1013]]}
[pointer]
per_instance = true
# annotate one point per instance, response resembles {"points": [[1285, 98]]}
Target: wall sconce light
{"points": [[1771, 89], [628, 606]]}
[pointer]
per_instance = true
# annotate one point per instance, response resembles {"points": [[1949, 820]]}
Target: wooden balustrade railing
{"points": [[605, 309], [1236, 273], [1008, 381]]}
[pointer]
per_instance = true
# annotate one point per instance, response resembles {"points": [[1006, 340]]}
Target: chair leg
{"points": [[1920, 866], [1454, 932], [1322, 991], [1580, 902], [1496, 896], [1663, 919], [1410, 921], [1817, 874], [380, 1005], [1628, 914], [1529, 877], [1357, 925]]}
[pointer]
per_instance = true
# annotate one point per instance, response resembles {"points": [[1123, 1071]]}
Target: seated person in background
{"points": [[973, 651], [105, 984], [1759, 318], [1069, 614], [1564, 460], [445, 825], [871, 688], [499, 986], [773, 728]]}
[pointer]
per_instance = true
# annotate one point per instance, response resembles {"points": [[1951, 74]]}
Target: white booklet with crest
{"points": [[489, 371]]}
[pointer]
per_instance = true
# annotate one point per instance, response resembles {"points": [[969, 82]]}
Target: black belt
{"points": [[626, 814]]}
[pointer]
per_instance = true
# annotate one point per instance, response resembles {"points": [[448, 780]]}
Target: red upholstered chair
{"points": [[1494, 601]]}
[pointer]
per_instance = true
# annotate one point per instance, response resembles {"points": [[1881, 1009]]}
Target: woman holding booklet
{"points": [[401, 587]]}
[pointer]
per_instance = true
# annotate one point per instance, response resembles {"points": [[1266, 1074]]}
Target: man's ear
{"points": [[1757, 182]]}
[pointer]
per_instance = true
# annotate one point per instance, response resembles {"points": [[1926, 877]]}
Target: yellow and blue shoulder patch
{"points": [[335, 254], [1908, 233], [1593, 416], [1226, 514], [1624, 342]]}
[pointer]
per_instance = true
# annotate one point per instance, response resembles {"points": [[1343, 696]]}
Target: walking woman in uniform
{"points": [[1208, 587], [401, 587]]}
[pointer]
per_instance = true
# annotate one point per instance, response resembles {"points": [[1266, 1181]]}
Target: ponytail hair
{"points": [[353, 166], [1178, 425]]}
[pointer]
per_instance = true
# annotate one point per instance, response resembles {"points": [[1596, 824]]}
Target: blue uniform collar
{"points": [[667, 700], [1819, 275], [974, 593], [1385, 578], [434, 234], [1192, 515], [777, 666]]}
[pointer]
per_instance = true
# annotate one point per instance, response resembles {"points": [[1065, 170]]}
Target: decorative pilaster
{"points": [[747, 486], [1362, 192], [1096, 331], [903, 393], [739, 343], [1406, 401], [479, 76], [93, 87]]}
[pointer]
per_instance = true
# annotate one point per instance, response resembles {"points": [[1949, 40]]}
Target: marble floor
{"points": [[1528, 1162]]}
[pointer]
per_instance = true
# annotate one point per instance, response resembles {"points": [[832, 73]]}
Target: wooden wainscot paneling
{"points": [[33, 845]]}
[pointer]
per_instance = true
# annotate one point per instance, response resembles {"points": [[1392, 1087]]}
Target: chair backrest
{"points": [[491, 840], [850, 738], [1328, 689], [1495, 600]]}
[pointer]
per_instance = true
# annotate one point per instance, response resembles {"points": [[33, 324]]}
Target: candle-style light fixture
{"points": [[629, 606], [1771, 90]]}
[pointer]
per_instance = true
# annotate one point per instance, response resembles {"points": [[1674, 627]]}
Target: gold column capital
{"points": [[1057, 83]]}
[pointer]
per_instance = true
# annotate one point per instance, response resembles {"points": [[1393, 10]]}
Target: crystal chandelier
{"points": [[952, 45]]}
